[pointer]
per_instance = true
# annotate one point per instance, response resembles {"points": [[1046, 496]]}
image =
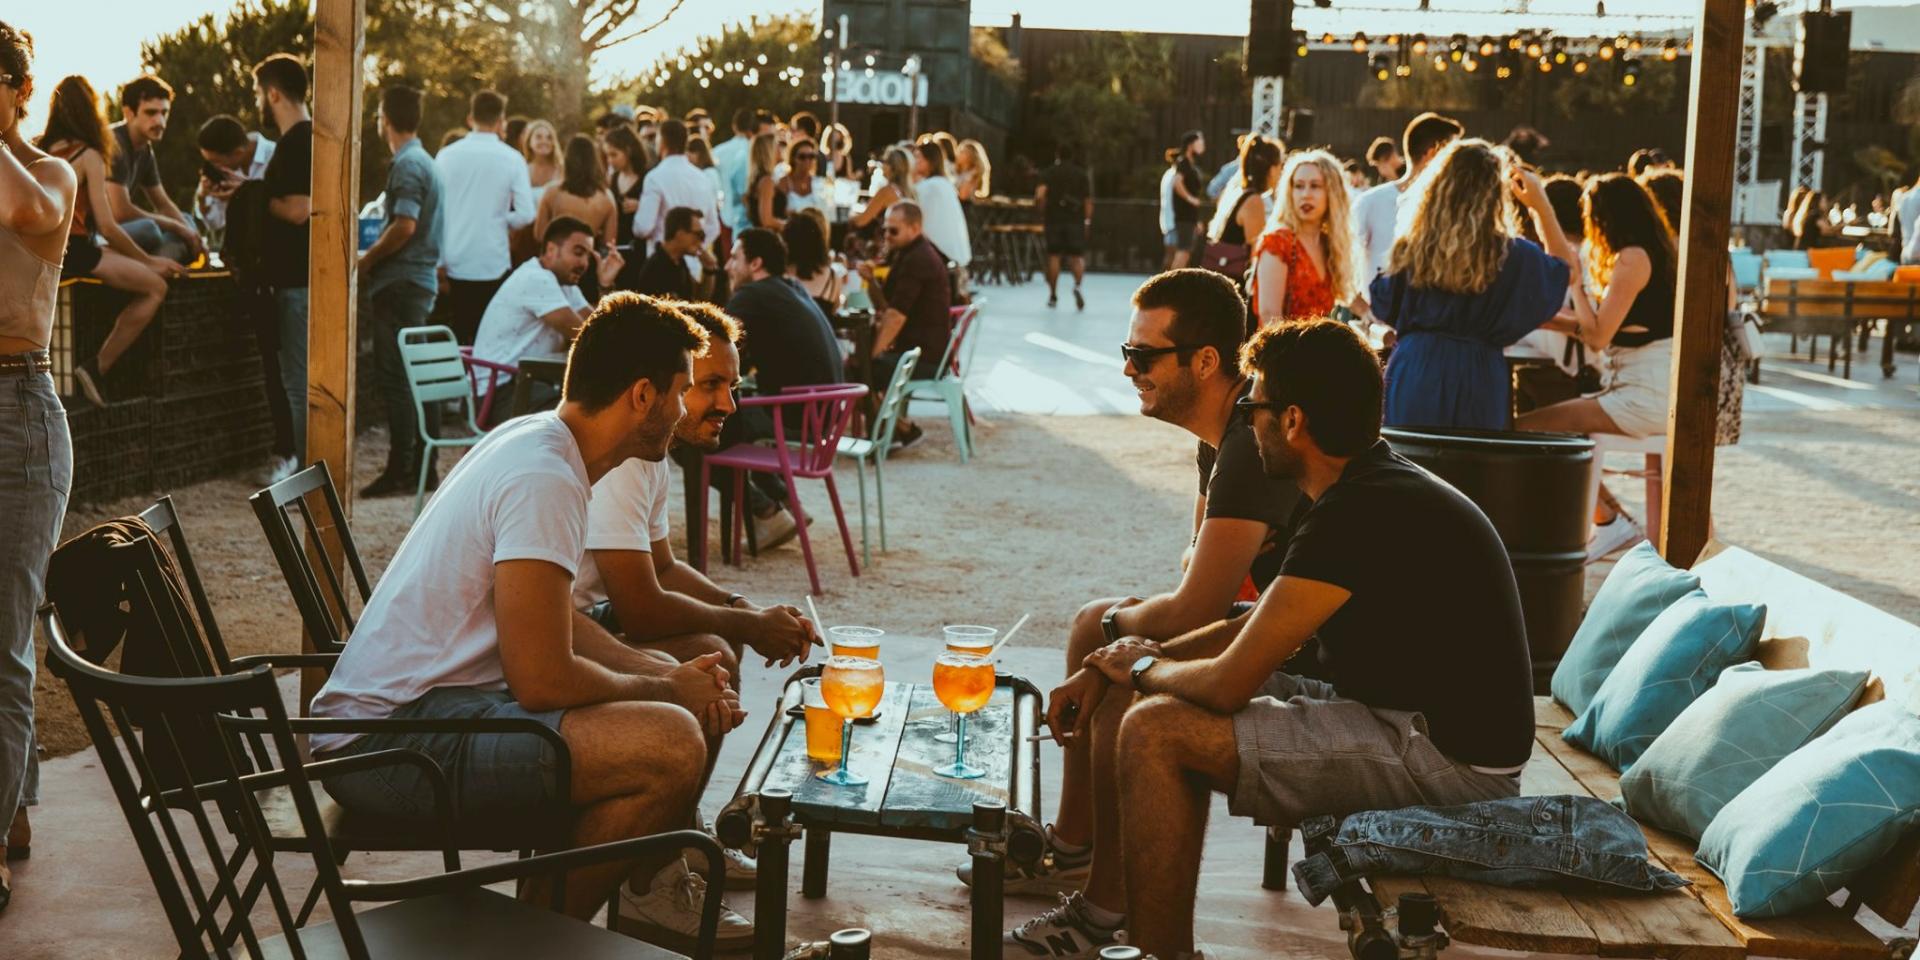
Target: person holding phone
{"points": [[231, 155]]}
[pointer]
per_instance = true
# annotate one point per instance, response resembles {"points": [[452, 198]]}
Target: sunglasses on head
{"points": [[1143, 357]]}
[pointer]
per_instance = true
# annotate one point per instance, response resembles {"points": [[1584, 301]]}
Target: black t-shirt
{"points": [[788, 340], [1433, 624], [132, 168], [1189, 174], [664, 275], [1068, 187], [289, 174], [1237, 487]]}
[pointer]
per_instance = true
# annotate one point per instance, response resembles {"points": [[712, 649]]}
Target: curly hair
{"points": [[1620, 213], [16, 61], [1336, 226], [1464, 220]]}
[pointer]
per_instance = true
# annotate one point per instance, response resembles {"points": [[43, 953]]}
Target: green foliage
{"points": [[764, 50], [991, 51], [209, 62], [1600, 94], [1099, 95], [1427, 89]]}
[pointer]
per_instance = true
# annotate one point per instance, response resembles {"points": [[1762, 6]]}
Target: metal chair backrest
{"points": [[436, 372], [824, 416], [321, 597], [1786, 258], [893, 402], [161, 518], [963, 317], [209, 875]]}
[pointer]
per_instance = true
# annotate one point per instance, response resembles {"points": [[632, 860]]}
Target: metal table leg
{"points": [[987, 843], [813, 872], [775, 831]]}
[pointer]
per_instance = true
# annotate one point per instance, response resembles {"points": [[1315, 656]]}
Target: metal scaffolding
{"points": [[1746, 145], [1809, 155], [1268, 120]]}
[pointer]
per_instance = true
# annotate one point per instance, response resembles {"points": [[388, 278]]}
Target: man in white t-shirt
{"points": [[631, 582], [473, 619], [1906, 212], [488, 196], [536, 312], [1376, 215]]}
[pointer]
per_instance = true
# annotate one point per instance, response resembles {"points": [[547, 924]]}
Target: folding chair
{"points": [[436, 373], [873, 448], [949, 385], [320, 596]]}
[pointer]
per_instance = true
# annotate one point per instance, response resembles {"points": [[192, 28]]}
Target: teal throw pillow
{"points": [[1751, 719], [1640, 586], [1808, 827], [1674, 661]]}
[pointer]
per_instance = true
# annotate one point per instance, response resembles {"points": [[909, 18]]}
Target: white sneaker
{"points": [[1062, 933], [773, 530], [278, 469], [1057, 872], [742, 871], [668, 915], [1621, 531]]}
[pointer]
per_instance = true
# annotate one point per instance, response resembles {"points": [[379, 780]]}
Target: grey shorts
{"points": [[1306, 751], [491, 774]]}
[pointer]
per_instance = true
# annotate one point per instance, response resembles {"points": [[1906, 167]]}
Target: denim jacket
{"points": [[1514, 842]]}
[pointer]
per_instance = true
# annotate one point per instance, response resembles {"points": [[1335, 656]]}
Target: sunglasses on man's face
{"points": [[893, 231], [1248, 405], [1143, 357]]}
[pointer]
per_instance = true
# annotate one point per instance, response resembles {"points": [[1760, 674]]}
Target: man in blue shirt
{"points": [[730, 158], [398, 280]]}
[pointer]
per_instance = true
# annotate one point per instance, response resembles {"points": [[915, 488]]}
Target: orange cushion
{"points": [[1828, 259], [1907, 274]]}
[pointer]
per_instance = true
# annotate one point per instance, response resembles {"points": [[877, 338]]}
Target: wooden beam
{"points": [[1700, 310], [335, 226]]}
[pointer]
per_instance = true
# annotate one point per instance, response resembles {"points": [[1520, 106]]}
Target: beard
{"points": [[1172, 400], [1279, 461], [695, 436]]}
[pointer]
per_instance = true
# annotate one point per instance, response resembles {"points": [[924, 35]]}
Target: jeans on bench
{"points": [[1516, 842]]}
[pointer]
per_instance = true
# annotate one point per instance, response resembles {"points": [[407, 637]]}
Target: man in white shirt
{"points": [[673, 182], [539, 307], [1376, 215], [1906, 211], [230, 150], [488, 197], [473, 619], [632, 584]]}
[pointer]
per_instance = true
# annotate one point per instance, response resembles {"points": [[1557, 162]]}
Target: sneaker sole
{"points": [[1047, 886], [88, 388], [674, 940]]}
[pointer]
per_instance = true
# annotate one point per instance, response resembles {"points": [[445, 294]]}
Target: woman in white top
{"points": [[972, 172], [541, 146], [804, 187], [896, 171], [945, 223]]}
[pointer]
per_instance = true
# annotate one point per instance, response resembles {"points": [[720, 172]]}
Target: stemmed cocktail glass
{"points": [[964, 683], [974, 641], [852, 688]]}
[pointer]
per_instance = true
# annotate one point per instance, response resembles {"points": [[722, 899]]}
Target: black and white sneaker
{"points": [[1059, 871], [1065, 932], [92, 382]]}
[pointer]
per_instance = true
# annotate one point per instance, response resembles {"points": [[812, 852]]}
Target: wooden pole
{"points": [[1700, 310], [335, 226]]}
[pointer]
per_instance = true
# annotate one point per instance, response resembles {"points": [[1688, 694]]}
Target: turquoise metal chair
{"points": [[1777, 259], [873, 447], [949, 386], [436, 373], [1746, 270]]}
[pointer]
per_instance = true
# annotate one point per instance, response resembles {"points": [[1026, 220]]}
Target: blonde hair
{"points": [[980, 165], [553, 137], [1463, 223], [897, 164], [1336, 227], [762, 156]]}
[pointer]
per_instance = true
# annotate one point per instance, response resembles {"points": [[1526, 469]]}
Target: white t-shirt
{"points": [[511, 328], [488, 195], [1166, 201], [628, 512], [1373, 220], [943, 220], [1908, 210], [520, 494]]}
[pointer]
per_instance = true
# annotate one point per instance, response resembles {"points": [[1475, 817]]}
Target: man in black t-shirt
{"points": [[665, 274], [1412, 597], [1065, 198], [280, 82], [1183, 357]]}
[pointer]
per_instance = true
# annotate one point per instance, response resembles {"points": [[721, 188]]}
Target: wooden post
{"points": [[1700, 309], [335, 232]]}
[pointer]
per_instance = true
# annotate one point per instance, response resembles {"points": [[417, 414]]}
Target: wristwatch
{"points": [[1108, 628], [1141, 666], [734, 600]]}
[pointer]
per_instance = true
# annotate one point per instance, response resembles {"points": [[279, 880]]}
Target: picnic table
{"points": [[781, 799]]}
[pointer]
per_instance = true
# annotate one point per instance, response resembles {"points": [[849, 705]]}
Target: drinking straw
{"points": [[1009, 634], [815, 612]]}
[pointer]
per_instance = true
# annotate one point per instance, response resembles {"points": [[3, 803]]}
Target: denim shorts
{"points": [[490, 774]]}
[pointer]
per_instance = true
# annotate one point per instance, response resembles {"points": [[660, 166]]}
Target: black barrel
{"points": [[1534, 487]]}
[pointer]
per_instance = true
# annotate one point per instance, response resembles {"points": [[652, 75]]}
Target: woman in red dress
{"points": [[1304, 265]]}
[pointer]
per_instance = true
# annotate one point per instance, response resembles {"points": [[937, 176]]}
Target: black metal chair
{"points": [[207, 846], [325, 609]]}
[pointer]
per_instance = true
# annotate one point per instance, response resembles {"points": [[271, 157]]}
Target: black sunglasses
{"points": [[805, 156], [1248, 405], [893, 231], [1143, 357]]}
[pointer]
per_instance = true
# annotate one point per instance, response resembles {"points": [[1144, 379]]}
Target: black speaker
{"points": [[1820, 52], [1299, 128], [1270, 39]]}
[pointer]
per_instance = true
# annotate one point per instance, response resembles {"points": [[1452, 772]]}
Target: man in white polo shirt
{"points": [[539, 307], [673, 182], [488, 196], [472, 619], [1377, 218]]}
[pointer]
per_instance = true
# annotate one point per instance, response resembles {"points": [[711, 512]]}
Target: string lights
{"points": [[1541, 51]]}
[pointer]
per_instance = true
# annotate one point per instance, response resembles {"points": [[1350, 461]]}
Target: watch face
{"points": [[1142, 664]]}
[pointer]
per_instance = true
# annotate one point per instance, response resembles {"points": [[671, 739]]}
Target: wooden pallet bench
{"points": [[1836, 309], [1807, 625]]}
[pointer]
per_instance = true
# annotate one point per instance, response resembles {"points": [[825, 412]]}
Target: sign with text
{"points": [[883, 89]]}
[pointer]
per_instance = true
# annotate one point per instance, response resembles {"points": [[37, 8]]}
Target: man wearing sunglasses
{"points": [[914, 303], [1426, 696], [1182, 354]]}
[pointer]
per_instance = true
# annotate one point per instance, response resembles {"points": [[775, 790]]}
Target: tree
{"points": [[1099, 94], [771, 63], [209, 62], [563, 36]]}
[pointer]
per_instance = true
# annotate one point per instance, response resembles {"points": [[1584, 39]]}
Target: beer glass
{"points": [[852, 687], [964, 683], [971, 640], [862, 642], [823, 728]]}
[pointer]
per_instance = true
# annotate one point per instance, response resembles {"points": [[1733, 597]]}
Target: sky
{"points": [[70, 38]]}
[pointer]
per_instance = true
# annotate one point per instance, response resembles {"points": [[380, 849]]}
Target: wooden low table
{"points": [[780, 797]]}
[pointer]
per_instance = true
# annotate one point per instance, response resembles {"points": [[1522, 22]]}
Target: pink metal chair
{"points": [[495, 372], [824, 416]]}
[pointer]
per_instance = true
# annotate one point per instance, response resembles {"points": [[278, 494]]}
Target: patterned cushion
{"points": [[1725, 740], [1807, 827], [1674, 661], [1640, 586]]}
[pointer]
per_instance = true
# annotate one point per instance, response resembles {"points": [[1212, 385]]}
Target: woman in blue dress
{"points": [[1463, 285]]}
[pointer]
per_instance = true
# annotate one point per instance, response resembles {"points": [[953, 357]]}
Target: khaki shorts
{"points": [[1636, 393], [1305, 751]]}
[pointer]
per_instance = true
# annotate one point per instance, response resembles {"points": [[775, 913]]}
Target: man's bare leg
{"points": [[1073, 822], [1107, 879], [1053, 277], [636, 771], [687, 647], [1176, 756]]}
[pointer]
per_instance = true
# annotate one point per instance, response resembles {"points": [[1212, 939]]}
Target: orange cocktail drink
{"points": [[823, 728], [968, 639], [852, 687], [964, 684], [862, 642]]}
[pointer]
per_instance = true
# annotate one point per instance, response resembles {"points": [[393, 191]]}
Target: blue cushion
{"points": [[1673, 662], [1807, 827], [1751, 719], [1640, 586]]}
